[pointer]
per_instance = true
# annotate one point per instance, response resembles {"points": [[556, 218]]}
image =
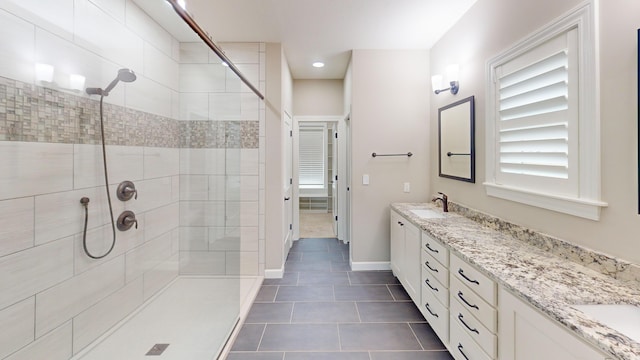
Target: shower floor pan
{"points": [[193, 315]]}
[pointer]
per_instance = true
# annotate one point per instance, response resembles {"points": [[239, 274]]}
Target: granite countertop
{"points": [[546, 281]]}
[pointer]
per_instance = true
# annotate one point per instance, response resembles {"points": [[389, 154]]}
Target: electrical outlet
{"points": [[365, 179]]}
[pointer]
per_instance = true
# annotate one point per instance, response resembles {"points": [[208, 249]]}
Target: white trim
{"points": [[370, 265], [589, 209], [587, 202], [274, 273]]}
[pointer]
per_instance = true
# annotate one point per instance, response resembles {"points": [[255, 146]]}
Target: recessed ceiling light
{"points": [[318, 64]]}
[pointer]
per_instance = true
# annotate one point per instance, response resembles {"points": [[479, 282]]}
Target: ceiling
{"points": [[327, 30]]}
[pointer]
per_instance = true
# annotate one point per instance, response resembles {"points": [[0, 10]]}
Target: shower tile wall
{"points": [[53, 299]]}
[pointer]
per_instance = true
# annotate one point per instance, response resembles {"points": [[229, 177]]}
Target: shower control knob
{"points": [[126, 220], [127, 190]]}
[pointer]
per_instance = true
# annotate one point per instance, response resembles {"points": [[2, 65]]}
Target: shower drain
{"points": [[157, 350]]}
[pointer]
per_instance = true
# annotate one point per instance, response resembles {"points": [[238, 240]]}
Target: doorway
{"points": [[318, 194]]}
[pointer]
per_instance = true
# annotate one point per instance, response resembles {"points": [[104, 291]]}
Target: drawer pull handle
{"points": [[426, 263], [466, 278], [460, 295], [429, 310], [467, 326], [431, 249], [460, 348], [426, 281]]}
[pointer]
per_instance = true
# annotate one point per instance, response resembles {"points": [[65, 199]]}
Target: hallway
{"points": [[321, 310]]}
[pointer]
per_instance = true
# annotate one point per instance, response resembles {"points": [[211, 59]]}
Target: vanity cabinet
{"points": [[405, 254], [527, 334], [473, 314], [435, 286]]}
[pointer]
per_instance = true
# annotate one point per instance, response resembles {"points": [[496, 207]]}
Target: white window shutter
{"points": [[312, 157]]}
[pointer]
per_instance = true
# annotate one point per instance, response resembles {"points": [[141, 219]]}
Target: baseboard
{"points": [[370, 265], [274, 273]]}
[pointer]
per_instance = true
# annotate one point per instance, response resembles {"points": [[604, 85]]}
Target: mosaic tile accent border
{"points": [[33, 113], [616, 268]]}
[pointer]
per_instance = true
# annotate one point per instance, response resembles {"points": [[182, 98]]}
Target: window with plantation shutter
{"points": [[312, 157], [542, 126]]}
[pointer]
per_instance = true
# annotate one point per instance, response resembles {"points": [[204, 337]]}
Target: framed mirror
{"points": [[456, 150]]}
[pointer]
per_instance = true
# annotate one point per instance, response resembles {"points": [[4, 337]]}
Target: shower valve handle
{"points": [[126, 220], [126, 191]]}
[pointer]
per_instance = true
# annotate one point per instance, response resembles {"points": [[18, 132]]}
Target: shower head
{"points": [[124, 75]]}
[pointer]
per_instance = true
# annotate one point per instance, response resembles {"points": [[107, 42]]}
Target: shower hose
{"points": [[85, 200]]}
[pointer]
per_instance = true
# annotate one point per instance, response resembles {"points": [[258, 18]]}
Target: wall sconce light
{"points": [[44, 72], [452, 76]]}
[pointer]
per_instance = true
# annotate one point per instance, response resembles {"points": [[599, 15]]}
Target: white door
{"points": [[288, 182], [334, 181], [347, 178]]}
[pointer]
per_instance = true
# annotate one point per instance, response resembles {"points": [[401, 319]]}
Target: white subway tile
{"points": [[175, 105], [224, 238], [147, 256], [30, 271], [243, 162], [202, 213], [93, 322], [202, 263], [202, 78], [161, 220], [175, 188], [160, 67], [194, 238], [249, 213], [223, 187], [123, 163], [249, 185], [194, 53], [249, 238], [17, 60], [149, 96], [99, 241], [160, 162], [16, 225], [60, 303], [34, 168], [175, 241], [224, 106], [17, 326], [55, 345], [194, 106], [53, 16], [161, 275], [203, 161], [114, 41], [114, 8], [263, 63], [154, 193], [60, 214], [250, 71], [148, 29], [242, 263], [195, 187], [241, 52], [175, 49]]}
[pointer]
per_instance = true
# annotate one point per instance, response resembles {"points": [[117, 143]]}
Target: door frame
{"points": [[340, 172]]}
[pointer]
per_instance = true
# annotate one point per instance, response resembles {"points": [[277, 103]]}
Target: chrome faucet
{"points": [[445, 201]]}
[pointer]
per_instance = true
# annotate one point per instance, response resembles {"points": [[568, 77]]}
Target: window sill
{"points": [[584, 208]]}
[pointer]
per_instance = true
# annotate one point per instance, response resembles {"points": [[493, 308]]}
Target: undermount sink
{"points": [[427, 214], [623, 318]]}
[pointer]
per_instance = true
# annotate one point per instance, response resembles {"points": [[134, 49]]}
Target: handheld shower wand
{"points": [[124, 75]]}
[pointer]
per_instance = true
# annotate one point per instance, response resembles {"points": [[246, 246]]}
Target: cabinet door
{"points": [[397, 244], [526, 334], [412, 267]]}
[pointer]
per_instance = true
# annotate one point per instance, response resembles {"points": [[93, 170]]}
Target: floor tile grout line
{"points": [[355, 303], [416, 336], [264, 329]]}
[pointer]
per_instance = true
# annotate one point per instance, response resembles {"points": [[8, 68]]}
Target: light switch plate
{"points": [[407, 187], [365, 179]]}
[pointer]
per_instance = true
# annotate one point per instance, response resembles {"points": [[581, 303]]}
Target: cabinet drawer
{"points": [[461, 345], [435, 268], [474, 279], [436, 314], [472, 327], [435, 248], [431, 284], [474, 304]]}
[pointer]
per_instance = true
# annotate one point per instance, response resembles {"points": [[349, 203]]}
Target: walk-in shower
{"points": [[127, 219]]}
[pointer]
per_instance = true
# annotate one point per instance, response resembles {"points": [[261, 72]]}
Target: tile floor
{"points": [[321, 310]]}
